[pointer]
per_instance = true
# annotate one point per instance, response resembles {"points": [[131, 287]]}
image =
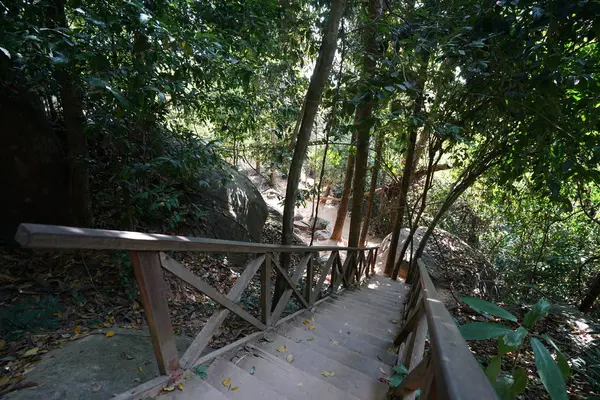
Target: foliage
{"points": [[508, 385], [30, 316]]}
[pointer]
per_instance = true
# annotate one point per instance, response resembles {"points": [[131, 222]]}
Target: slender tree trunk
{"points": [[370, 200], [364, 122], [406, 175], [272, 175], [338, 227], [313, 98], [74, 120], [591, 296]]}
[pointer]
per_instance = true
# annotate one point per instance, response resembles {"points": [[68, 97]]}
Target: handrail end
{"points": [[23, 235]]}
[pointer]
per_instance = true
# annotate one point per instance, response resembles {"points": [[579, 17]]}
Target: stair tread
{"points": [[383, 322], [353, 324], [194, 388], [373, 308], [248, 386], [357, 320], [288, 380], [314, 363]]}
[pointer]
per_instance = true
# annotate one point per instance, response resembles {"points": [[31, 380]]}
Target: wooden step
{"points": [[286, 379], [382, 321], [351, 343], [394, 297], [351, 323], [242, 385], [194, 388], [333, 349], [371, 299], [345, 378], [360, 299], [348, 302]]}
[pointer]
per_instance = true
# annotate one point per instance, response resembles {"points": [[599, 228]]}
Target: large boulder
{"points": [[236, 209]]}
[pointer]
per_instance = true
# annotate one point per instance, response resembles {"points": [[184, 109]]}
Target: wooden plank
{"points": [[188, 276], [359, 266], [204, 337], [429, 388], [147, 389], [309, 280], [324, 273], [409, 326], [416, 345], [453, 361], [292, 282], [344, 269], [65, 237], [414, 380], [149, 275], [335, 272], [374, 262], [265, 290]]}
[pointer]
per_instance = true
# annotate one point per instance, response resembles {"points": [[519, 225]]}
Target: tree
{"points": [[374, 175], [340, 219]]}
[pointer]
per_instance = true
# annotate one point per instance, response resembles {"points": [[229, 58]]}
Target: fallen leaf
{"points": [[31, 352], [282, 348], [180, 386], [299, 384], [227, 382], [110, 334], [389, 330], [169, 388], [111, 320], [252, 370], [334, 341], [308, 339], [96, 387], [312, 318], [268, 340], [311, 328], [327, 373], [306, 322], [201, 371], [235, 388], [290, 358], [127, 356], [140, 368], [4, 381], [77, 329], [394, 321], [382, 371], [2, 343], [392, 350]]}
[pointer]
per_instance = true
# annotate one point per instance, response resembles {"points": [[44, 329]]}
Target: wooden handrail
{"points": [[65, 237], [149, 260], [453, 373]]}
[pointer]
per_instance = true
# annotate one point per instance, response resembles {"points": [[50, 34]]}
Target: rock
{"points": [[298, 217], [321, 223], [322, 235], [301, 225], [237, 211], [272, 194]]}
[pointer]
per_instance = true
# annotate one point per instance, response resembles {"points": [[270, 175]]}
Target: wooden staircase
{"points": [[348, 337]]}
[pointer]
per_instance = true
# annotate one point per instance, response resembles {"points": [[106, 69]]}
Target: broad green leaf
{"points": [[483, 330], [396, 380], [561, 360], [488, 308], [503, 348], [201, 371], [6, 52], [503, 387], [548, 371], [400, 369], [493, 369], [539, 310], [520, 382], [515, 338]]}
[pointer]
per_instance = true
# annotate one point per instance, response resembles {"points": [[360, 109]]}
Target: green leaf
{"points": [[396, 380], [390, 88], [539, 310], [6, 52], [493, 369], [563, 363], [515, 338], [503, 348], [503, 387], [252, 370], [520, 382], [483, 330], [488, 308], [548, 371], [401, 369], [201, 371]]}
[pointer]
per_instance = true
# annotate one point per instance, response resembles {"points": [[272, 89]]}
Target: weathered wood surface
{"points": [[65, 237], [291, 287], [216, 320], [188, 276], [149, 275], [325, 272], [265, 290]]}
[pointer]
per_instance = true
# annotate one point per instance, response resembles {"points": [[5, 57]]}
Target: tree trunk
{"points": [[364, 122], [406, 174], [591, 296], [338, 227], [370, 200], [313, 98], [74, 121], [272, 175]]}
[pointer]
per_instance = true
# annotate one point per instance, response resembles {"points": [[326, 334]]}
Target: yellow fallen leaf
{"points": [[169, 388], [306, 322], [312, 318], [334, 341], [227, 382], [31, 352], [106, 325], [311, 328], [235, 388], [77, 329], [96, 387], [394, 321], [140, 368], [180, 386], [4, 381], [327, 374], [290, 358], [282, 348], [111, 320], [392, 350], [110, 334]]}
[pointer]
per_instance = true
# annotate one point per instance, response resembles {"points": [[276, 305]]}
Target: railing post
{"points": [[374, 261], [265, 290], [149, 275], [334, 273], [309, 280]]}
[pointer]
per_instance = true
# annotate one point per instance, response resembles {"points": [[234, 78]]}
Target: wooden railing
{"points": [[448, 370], [346, 266]]}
